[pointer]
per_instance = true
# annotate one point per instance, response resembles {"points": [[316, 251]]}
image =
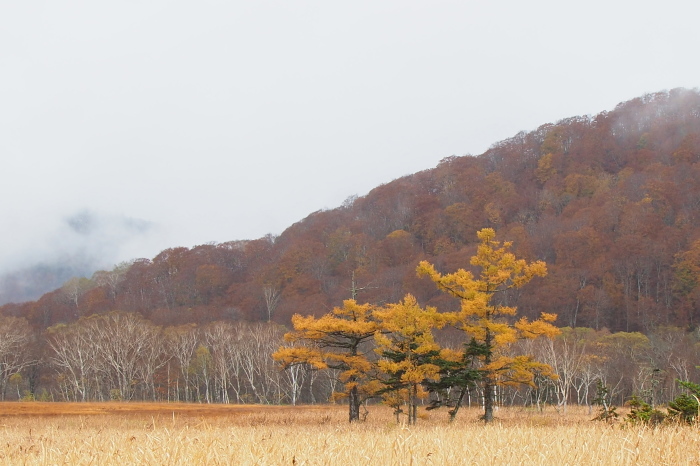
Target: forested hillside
{"points": [[610, 202]]}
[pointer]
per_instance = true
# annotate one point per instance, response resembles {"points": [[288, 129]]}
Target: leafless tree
{"points": [[74, 358], [74, 289], [153, 358], [15, 341], [272, 297], [566, 355], [259, 369], [123, 340], [181, 343], [112, 279], [220, 338]]}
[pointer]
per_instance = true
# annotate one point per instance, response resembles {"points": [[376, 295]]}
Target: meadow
{"points": [[187, 434]]}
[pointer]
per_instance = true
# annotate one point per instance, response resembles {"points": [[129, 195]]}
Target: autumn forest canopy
{"points": [[610, 203]]}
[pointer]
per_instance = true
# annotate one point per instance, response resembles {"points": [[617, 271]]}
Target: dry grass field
{"points": [[183, 434]]}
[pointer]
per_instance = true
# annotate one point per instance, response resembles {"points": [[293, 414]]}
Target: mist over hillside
{"points": [[78, 246]]}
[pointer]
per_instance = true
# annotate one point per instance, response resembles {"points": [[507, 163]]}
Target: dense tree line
{"points": [[123, 356]]}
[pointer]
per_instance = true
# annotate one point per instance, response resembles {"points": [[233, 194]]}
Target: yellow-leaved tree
{"points": [[407, 349], [338, 340], [488, 321]]}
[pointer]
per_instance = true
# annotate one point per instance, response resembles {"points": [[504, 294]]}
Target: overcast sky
{"points": [[128, 126]]}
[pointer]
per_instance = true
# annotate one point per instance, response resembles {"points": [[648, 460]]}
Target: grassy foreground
{"points": [[181, 434]]}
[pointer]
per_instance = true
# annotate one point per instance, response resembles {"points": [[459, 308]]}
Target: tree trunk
{"points": [[413, 406], [489, 384], [354, 403], [453, 411], [488, 400]]}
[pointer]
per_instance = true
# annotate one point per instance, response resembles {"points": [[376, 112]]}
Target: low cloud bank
{"points": [[81, 244]]}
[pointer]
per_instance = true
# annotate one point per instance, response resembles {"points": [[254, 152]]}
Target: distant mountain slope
{"points": [[610, 202], [33, 281]]}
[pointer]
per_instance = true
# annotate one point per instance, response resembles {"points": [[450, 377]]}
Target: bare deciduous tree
{"points": [[181, 343], [15, 341], [272, 297]]}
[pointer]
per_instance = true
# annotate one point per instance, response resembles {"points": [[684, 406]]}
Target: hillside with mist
{"points": [[77, 246], [610, 202]]}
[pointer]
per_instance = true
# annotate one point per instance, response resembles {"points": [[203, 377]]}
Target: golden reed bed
{"points": [[185, 434]]}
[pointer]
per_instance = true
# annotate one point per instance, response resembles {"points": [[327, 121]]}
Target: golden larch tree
{"points": [[407, 348], [488, 322], [337, 340]]}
